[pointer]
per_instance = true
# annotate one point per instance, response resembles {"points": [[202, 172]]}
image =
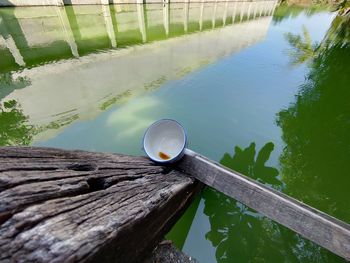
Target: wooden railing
{"points": [[78, 206], [311, 223]]}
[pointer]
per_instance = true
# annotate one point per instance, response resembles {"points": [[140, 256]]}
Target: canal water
{"points": [[260, 87]]}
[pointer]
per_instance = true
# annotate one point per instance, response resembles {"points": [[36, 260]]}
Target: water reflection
{"points": [[244, 162], [77, 62], [8, 83], [316, 127], [241, 234], [37, 35], [88, 58], [287, 11], [14, 129], [303, 50], [313, 167]]}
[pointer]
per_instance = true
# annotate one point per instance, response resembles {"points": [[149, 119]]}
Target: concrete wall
{"points": [[30, 2], [61, 2], [97, 2], [34, 36]]}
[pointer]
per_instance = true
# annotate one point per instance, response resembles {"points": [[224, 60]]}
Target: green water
{"points": [[264, 91]]}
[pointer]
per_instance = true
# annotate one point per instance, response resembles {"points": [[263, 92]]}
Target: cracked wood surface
{"points": [[78, 206]]}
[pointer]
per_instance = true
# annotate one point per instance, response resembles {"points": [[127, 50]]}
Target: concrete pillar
{"points": [[249, 10], [273, 8], [269, 7], [142, 24], [104, 2], [234, 11], [186, 11], [242, 11], [166, 18], [255, 8], [260, 8], [225, 13], [109, 25], [10, 44], [213, 20], [67, 30], [201, 16]]}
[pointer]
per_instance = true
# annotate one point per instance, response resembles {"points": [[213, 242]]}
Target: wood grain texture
{"points": [[166, 252], [78, 206], [313, 224]]}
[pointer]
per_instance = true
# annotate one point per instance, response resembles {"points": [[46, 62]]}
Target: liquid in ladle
{"points": [[163, 156]]}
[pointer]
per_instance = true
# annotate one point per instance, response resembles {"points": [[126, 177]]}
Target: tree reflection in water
{"points": [[244, 162], [8, 83], [241, 234], [315, 163], [303, 50], [14, 128]]}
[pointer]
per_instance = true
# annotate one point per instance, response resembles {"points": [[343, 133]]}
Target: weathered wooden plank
{"points": [[313, 224], [77, 206], [166, 252]]}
